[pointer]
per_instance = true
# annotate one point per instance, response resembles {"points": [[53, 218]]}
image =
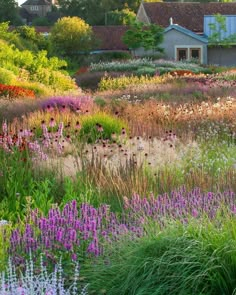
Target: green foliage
{"points": [[198, 258], [5, 232], [108, 124], [6, 77], [124, 82], [17, 183], [149, 71], [146, 36], [96, 12], [70, 35], [8, 11], [34, 67], [120, 17], [134, 64], [40, 21], [27, 32]]}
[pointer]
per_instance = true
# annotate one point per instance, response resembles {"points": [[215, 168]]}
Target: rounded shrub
{"points": [[149, 71], [100, 125], [6, 77]]}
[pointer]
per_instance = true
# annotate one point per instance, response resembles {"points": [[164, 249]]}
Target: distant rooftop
{"points": [[36, 2], [187, 14]]}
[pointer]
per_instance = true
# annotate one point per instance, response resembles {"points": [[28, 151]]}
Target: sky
{"points": [[20, 1]]}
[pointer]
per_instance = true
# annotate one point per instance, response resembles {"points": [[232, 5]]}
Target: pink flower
{"points": [[194, 213]]}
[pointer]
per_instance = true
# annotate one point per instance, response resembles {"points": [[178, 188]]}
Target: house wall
{"points": [[142, 16], [173, 39], [42, 9], [222, 56]]}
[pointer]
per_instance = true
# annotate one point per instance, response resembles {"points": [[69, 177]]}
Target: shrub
{"points": [[71, 34], [38, 66], [149, 71], [135, 64], [6, 76], [100, 125], [123, 82], [38, 88]]}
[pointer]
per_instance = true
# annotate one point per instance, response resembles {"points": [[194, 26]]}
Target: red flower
{"points": [[15, 91]]}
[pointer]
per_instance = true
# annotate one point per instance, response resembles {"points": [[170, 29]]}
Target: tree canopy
{"points": [[96, 12], [141, 35], [70, 35], [9, 11]]}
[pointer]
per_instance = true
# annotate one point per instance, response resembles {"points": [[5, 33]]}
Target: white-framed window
{"points": [[187, 52], [34, 8]]}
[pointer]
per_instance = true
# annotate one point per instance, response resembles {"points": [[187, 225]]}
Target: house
{"points": [[187, 30], [31, 9], [39, 8]]}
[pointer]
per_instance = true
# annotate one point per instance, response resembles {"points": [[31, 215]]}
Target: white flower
{"points": [[3, 222]]}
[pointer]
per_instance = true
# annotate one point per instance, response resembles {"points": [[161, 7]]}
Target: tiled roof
{"points": [[110, 37], [36, 2], [188, 15]]}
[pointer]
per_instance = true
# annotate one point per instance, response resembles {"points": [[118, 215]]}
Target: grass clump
{"points": [[179, 260], [101, 126]]}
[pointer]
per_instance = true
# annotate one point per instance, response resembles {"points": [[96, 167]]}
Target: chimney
{"points": [[171, 21]]}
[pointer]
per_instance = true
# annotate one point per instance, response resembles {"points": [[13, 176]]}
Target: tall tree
{"points": [[95, 12], [70, 35], [145, 36], [8, 11]]}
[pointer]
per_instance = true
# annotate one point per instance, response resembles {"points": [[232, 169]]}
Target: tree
{"points": [[90, 10], [96, 12], [121, 17], [147, 36], [8, 11], [70, 35], [40, 21]]}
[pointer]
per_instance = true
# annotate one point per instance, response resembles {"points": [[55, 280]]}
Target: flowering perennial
{"points": [[42, 283], [80, 104], [15, 92], [82, 232]]}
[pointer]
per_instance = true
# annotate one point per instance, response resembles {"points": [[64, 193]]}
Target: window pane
{"points": [[195, 53], [182, 54]]}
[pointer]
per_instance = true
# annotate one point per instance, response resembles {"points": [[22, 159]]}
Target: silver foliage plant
{"points": [[41, 284]]}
